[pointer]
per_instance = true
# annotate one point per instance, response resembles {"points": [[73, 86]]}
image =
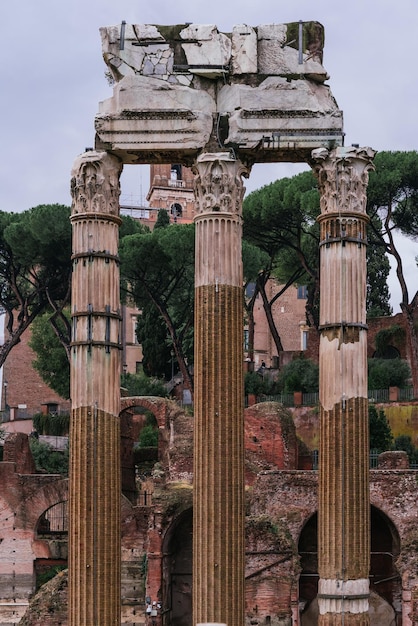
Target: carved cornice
{"points": [[279, 113], [343, 175], [218, 183], [161, 114], [95, 184]]}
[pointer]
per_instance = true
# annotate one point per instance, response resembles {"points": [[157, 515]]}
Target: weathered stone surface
{"points": [[244, 50], [283, 114], [210, 51], [200, 49], [49, 606], [178, 88], [277, 57], [393, 460]]}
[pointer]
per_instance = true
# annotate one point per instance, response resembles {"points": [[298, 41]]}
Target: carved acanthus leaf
{"points": [[218, 183], [95, 183], [343, 176]]}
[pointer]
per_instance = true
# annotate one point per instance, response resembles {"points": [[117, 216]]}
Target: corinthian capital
{"points": [[218, 183], [343, 176], [95, 183]]}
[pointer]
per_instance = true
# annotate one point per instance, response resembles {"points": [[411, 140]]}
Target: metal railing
{"points": [[312, 399]]}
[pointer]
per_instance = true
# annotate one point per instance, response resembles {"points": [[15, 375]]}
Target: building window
{"points": [[54, 520], [175, 173], [246, 340], [176, 210], [302, 292], [249, 290], [134, 335], [304, 339]]}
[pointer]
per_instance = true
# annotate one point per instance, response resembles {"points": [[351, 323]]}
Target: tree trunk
{"points": [[412, 341], [269, 315]]}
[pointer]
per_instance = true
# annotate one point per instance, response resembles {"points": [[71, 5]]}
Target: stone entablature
{"points": [[258, 90]]}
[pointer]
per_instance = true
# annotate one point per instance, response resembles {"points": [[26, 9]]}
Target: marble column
{"points": [[218, 504], [95, 480], [344, 509]]}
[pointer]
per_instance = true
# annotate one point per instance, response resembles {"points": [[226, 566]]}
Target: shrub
{"points": [[385, 373], [257, 384], [381, 438], [48, 460], [142, 385], [148, 437], [47, 424], [404, 442], [300, 375]]}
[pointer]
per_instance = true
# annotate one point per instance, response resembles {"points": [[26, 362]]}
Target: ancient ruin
{"points": [[219, 103], [281, 549]]}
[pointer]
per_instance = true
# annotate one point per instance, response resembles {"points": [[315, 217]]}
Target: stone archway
{"points": [[177, 572], [165, 412], [385, 581], [52, 531], [308, 553]]}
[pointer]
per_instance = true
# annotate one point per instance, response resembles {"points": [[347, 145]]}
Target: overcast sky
{"points": [[53, 78]]}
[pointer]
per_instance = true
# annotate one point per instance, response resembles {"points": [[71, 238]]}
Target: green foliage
{"points": [[378, 268], [280, 219], [393, 190], [130, 226], [142, 385], [385, 373], [35, 266], [404, 442], [163, 219], [48, 574], [48, 424], [153, 335], [48, 460], [381, 438], [158, 270], [148, 437], [255, 383], [51, 360], [253, 260], [300, 375], [50, 334]]}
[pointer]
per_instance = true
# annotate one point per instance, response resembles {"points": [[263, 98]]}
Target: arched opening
{"points": [[385, 582], [308, 553], [177, 572], [388, 352], [139, 450], [52, 528], [176, 210]]}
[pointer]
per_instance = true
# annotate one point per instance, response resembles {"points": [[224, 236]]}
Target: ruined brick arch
{"points": [[384, 565], [32, 508], [163, 410], [177, 570]]}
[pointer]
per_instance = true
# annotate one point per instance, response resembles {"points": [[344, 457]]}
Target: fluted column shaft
{"points": [[95, 481], [343, 514], [218, 513]]}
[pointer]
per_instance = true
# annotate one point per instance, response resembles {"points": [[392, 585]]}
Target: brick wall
{"points": [[25, 386]]}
